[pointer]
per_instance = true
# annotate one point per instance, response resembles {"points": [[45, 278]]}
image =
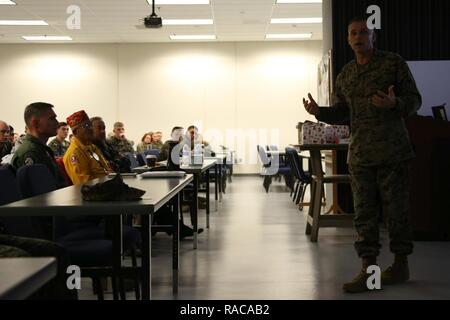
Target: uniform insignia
{"points": [[29, 161], [74, 159]]}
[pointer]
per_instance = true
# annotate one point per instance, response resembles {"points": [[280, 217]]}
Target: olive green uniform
{"points": [[33, 151], [379, 150]]}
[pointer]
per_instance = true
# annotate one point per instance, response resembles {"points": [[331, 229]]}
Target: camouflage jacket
{"points": [[121, 146], [379, 136], [59, 148]]}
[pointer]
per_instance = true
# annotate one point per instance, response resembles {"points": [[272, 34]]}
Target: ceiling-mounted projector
{"points": [[153, 20]]}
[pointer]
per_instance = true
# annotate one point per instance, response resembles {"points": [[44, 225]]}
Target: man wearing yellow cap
{"points": [[83, 160]]}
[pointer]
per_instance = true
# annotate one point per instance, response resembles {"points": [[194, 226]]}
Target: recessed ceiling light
{"points": [[289, 36], [47, 38], [193, 37], [187, 22], [23, 23], [296, 20], [8, 2], [179, 2], [299, 1]]}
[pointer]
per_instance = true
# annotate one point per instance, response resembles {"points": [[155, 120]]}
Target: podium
{"points": [[430, 178]]}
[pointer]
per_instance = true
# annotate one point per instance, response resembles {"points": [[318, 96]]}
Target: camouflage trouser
{"points": [[382, 188], [12, 246]]}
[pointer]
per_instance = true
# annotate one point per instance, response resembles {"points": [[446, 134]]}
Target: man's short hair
{"points": [[35, 109], [62, 124], [11, 129], [357, 19], [176, 128], [118, 125], [192, 127], [96, 119]]}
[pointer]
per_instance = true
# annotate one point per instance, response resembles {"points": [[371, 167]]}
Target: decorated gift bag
{"points": [[313, 133], [336, 134]]}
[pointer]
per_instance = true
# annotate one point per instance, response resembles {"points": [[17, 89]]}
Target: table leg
{"points": [[207, 198], [116, 222], [195, 207], [146, 257], [220, 183], [175, 242], [216, 181], [310, 209]]}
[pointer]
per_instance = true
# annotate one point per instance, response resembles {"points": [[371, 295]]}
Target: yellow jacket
{"points": [[85, 162]]}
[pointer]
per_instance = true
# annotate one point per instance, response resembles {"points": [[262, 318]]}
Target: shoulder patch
{"points": [[29, 161], [74, 159]]}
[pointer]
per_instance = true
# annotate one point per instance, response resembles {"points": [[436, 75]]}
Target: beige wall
{"points": [[250, 89]]}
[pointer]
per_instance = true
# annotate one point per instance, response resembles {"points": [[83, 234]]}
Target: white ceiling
{"points": [[114, 21]]}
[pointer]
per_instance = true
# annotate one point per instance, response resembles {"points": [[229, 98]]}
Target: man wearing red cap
{"points": [[83, 160]]}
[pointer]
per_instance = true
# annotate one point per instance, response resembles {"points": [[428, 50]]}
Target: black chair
{"points": [[273, 167], [303, 179], [152, 152], [86, 243]]}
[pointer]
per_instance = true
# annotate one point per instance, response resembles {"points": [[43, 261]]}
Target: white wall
{"points": [[221, 87], [432, 79]]}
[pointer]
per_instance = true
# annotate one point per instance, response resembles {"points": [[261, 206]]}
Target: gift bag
{"points": [[313, 133], [335, 134]]}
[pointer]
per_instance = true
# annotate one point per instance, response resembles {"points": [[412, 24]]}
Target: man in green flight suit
{"points": [[376, 91], [42, 124]]}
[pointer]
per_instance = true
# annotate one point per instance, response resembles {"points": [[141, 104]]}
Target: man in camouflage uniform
{"points": [[5, 143], [41, 124], [118, 162], [157, 140], [118, 140], [377, 92], [59, 144]]}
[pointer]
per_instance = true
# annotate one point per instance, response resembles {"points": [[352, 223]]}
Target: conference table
{"points": [[69, 202], [22, 277]]}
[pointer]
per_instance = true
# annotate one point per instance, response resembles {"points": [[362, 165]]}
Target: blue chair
{"points": [[85, 243], [133, 160], [303, 179], [140, 157], [10, 192], [152, 152], [278, 169]]}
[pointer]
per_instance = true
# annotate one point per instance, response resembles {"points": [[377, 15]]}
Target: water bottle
{"points": [[198, 154], [186, 156]]}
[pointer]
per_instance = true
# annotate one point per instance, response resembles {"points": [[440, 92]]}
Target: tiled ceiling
{"points": [[115, 21]]}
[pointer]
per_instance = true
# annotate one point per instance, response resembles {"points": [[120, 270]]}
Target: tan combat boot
{"points": [[359, 283], [397, 273]]}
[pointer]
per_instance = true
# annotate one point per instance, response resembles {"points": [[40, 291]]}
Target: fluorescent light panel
{"points": [[289, 36], [296, 20], [193, 37], [179, 2], [47, 38], [187, 22], [7, 2], [23, 23], [299, 1]]}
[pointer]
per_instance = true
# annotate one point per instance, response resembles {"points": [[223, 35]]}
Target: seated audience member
{"points": [[83, 160], [157, 140], [146, 143], [176, 136], [5, 143], [11, 134], [18, 247], [41, 124], [193, 138], [119, 141], [59, 144], [118, 162]]}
